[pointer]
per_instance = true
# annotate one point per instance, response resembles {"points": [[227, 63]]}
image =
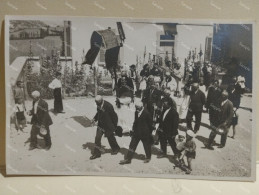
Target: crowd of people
{"points": [[163, 98], [158, 111]]}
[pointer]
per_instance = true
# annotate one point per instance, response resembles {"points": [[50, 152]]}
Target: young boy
{"points": [[189, 150], [19, 109]]}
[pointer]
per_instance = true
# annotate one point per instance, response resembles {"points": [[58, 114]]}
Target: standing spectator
{"points": [[20, 117], [226, 116], [197, 101], [19, 92], [57, 86], [106, 119], [40, 121], [142, 131]]}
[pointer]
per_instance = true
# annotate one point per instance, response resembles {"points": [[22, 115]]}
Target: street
{"points": [[73, 139]]}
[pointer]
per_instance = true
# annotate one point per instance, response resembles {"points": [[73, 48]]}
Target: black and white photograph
{"points": [[166, 98]]}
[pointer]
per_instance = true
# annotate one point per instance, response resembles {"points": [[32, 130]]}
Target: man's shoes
{"points": [[33, 147], [126, 161], [221, 146], [94, 157], [188, 171], [47, 148], [147, 160], [161, 156], [209, 147], [115, 152]]}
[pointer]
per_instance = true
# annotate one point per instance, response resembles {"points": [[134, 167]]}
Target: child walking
{"points": [[188, 150]]}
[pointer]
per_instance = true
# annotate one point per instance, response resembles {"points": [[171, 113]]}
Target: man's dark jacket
{"points": [[142, 126], [42, 116], [197, 99], [169, 126], [107, 118]]}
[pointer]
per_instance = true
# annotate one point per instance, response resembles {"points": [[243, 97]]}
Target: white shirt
{"points": [[222, 103], [19, 107], [36, 106], [166, 113], [55, 84], [140, 112]]}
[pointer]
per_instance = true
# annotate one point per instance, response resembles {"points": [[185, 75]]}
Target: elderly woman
{"points": [[40, 121]]}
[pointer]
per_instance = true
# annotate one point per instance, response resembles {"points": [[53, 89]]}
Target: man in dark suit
{"points": [[168, 127], [107, 120], [152, 100], [40, 120], [197, 100], [213, 103], [142, 131], [225, 120]]}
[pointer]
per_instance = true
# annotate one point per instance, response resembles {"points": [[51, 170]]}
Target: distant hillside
{"points": [[23, 24]]}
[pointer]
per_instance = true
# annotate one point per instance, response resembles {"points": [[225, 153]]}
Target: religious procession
{"points": [[181, 103]]}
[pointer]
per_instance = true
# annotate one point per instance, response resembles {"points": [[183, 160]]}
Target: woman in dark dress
{"points": [[57, 87]]}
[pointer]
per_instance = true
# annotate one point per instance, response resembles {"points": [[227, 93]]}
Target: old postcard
{"points": [[165, 98]]}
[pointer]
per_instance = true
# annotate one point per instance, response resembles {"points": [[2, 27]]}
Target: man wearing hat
{"points": [[106, 119], [141, 131], [40, 121], [225, 119]]}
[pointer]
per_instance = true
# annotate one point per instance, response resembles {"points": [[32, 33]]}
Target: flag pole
{"points": [[95, 78]]}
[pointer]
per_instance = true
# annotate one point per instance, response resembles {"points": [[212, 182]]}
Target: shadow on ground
{"points": [[82, 120], [104, 150]]}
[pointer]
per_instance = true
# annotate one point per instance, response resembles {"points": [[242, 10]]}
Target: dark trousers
{"points": [[223, 138], [111, 139], [58, 104], [133, 145], [164, 139], [35, 130], [189, 117]]}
